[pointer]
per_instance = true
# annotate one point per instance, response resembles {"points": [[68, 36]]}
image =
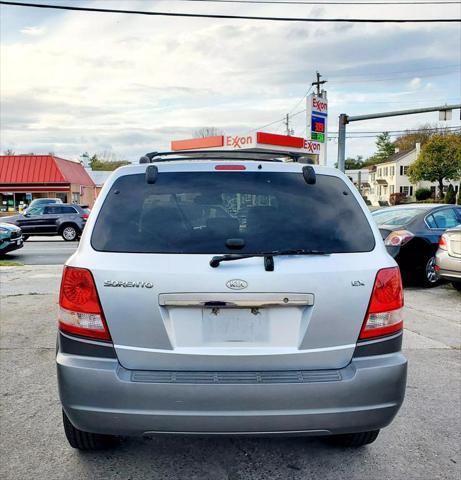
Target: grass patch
{"points": [[10, 263]]}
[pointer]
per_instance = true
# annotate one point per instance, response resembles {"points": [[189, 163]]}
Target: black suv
{"points": [[63, 219]]}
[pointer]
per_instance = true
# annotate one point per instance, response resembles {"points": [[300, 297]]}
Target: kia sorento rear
{"points": [[229, 296]]}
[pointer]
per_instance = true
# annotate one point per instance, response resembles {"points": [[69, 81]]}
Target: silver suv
{"points": [[229, 295]]}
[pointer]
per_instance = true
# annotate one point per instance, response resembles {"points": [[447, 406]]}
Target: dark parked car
{"points": [[63, 219], [411, 234], [10, 238]]}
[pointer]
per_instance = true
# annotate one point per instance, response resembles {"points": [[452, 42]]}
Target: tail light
{"points": [[80, 309], [84, 216], [398, 238], [384, 315], [443, 242]]}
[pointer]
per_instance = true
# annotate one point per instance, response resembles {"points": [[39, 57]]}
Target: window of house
{"points": [[405, 170], [405, 189]]}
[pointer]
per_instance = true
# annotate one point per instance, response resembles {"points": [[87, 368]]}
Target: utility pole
{"points": [[318, 83], [344, 119], [317, 117], [287, 125]]}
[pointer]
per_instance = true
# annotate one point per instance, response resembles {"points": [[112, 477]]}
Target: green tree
{"points": [[450, 196], [459, 194], [97, 164], [385, 148], [439, 160], [421, 135], [352, 163]]}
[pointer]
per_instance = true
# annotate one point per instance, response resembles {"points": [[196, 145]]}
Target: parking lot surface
{"points": [[423, 442], [43, 251]]}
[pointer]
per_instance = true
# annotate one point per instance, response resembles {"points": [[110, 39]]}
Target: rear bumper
{"points": [[100, 396], [449, 267], [11, 244]]}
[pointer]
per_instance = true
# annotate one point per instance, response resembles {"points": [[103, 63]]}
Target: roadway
{"points": [[43, 251]]}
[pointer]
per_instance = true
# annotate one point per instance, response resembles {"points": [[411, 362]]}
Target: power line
{"points": [[374, 136], [232, 17], [305, 95], [267, 124], [395, 132], [300, 2]]}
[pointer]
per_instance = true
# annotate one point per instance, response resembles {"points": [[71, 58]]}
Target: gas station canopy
{"points": [[255, 142]]}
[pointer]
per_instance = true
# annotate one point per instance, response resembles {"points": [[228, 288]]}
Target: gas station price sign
{"points": [[318, 128], [317, 115]]}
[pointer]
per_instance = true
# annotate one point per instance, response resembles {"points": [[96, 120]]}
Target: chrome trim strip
{"points": [[235, 300]]}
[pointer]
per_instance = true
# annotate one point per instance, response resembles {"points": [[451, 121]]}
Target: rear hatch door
{"points": [[168, 309]]}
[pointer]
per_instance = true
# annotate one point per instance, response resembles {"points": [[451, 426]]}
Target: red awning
{"points": [[41, 169]]}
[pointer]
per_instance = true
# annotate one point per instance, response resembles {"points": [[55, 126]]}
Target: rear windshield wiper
{"points": [[268, 256]]}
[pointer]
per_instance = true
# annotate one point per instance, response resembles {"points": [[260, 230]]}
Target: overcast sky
{"points": [[73, 82]]}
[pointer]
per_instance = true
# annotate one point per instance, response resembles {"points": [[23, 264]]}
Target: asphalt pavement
{"points": [[422, 443], [43, 251]]}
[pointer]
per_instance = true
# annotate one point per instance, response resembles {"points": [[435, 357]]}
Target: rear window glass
{"points": [[401, 216], [196, 212]]}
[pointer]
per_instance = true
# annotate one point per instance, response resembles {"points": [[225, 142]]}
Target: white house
{"points": [[361, 179], [391, 177]]}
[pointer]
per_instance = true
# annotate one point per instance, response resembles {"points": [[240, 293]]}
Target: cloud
{"points": [[33, 31], [131, 84], [415, 83]]}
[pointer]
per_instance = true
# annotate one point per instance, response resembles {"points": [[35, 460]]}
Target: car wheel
{"points": [[429, 276], [353, 440], [457, 286], [69, 233], [85, 440]]}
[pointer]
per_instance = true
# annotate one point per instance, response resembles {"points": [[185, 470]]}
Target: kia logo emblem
{"points": [[236, 284]]}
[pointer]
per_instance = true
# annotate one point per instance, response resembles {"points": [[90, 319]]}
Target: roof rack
{"points": [[250, 154]]}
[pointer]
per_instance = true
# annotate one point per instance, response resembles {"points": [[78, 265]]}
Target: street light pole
{"points": [[344, 119]]}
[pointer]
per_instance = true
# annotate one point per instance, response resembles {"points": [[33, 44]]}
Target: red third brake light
{"points": [[230, 167], [385, 308], [81, 312]]}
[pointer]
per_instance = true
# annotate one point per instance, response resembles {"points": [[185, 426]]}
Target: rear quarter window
{"points": [[196, 212]]}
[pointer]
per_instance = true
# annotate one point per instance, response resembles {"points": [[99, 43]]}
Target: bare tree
{"points": [[207, 132], [9, 151]]}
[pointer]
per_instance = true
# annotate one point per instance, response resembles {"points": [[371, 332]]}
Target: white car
{"points": [[281, 315]]}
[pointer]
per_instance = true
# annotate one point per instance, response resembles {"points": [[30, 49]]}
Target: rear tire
{"points": [[69, 233], [85, 440], [429, 277], [456, 286], [353, 440]]}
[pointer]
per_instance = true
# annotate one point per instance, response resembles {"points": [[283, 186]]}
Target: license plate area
{"points": [[235, 325]]}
